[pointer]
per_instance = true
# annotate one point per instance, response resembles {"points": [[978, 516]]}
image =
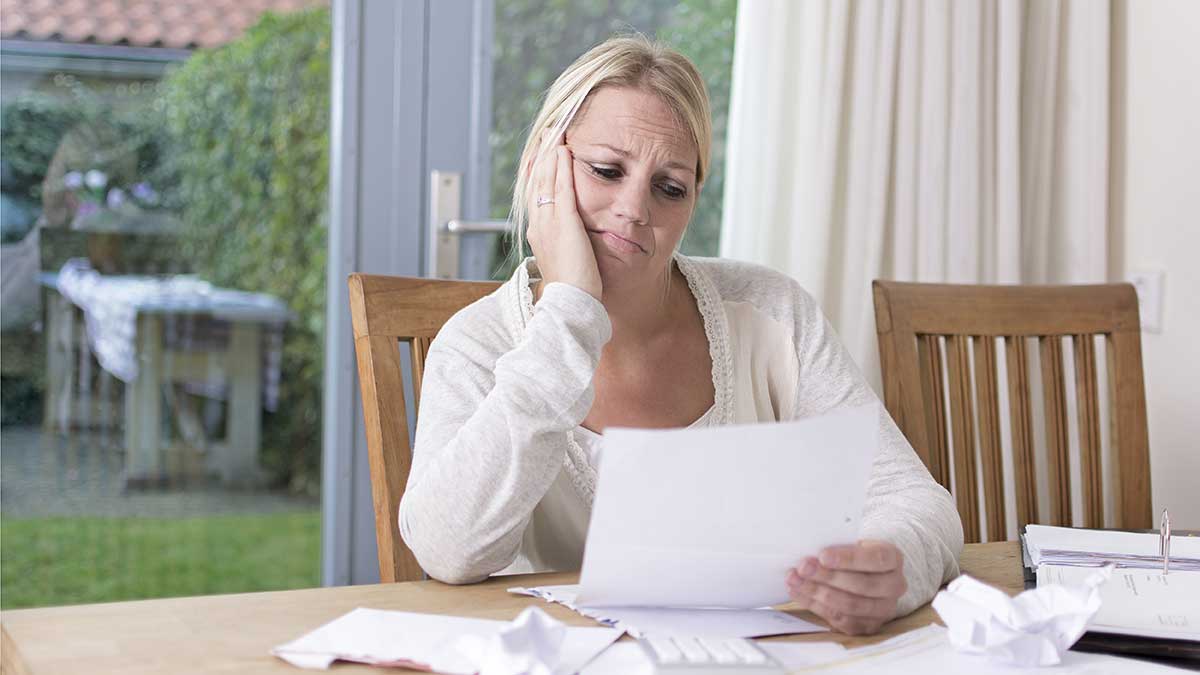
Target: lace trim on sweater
{"points": [[579, 469]]}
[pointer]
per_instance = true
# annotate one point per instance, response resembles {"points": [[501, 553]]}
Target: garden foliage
{"points": [[249, 124]]}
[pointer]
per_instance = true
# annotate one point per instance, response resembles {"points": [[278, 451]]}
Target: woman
{"points": [[608, 325]]}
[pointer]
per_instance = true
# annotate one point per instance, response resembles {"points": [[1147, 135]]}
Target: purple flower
{"points": [[116, 197], [73, 180], [87, 209], [144, 193]]}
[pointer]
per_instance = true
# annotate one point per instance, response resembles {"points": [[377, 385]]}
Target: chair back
{"points": [[938, 349], [385, 312]]}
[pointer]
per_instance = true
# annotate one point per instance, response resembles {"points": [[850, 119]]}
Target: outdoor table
{"points": [[238, 363]]}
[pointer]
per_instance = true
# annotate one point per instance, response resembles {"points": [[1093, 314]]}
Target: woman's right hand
{"points": [[556, 233]]}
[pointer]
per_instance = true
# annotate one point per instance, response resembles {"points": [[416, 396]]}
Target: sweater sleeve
{"points": [[489, 439], [904, 506]]}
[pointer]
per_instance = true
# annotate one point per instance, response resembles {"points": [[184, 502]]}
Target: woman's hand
{"points": [[555, 233], [855, 588]]}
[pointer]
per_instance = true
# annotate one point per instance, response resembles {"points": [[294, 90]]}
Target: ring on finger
{"points": [[543, 200]]}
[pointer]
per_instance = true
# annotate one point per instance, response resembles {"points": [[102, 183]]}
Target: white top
{"points": [[502, 480]]}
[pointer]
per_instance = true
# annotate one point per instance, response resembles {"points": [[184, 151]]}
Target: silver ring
{"points": [[544, 200]]}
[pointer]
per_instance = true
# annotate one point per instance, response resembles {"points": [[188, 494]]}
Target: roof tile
{"points": [[184, 24]]}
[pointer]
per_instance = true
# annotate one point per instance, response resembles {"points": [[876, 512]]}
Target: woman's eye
{"points": [[673, 191], [606, 172]]}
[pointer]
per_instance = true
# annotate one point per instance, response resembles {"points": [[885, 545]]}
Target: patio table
{"points": [[124, 319]]}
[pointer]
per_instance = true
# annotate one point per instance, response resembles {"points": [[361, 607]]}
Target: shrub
{"points": [[249, 124]]}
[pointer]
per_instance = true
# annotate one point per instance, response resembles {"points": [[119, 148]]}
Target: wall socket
{"points": [[1149, 286]]}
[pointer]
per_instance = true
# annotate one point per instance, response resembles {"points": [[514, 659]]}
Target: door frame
{"points": [[427, 107]]}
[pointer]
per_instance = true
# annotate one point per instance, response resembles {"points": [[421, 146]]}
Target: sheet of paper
{"points": [[423, 641], [927, 650], [627, 658], [1139, 602], [715, 517], [1035, 628], [1076, 546], [639, 621]]}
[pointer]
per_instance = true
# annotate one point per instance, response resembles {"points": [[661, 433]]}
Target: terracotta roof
{"points": [[178, 24]]}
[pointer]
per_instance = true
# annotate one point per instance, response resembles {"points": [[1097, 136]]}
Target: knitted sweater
{"points": [[501, 482]]}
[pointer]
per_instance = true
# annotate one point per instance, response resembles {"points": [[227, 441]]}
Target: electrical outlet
{"points": [[1149, 287]]}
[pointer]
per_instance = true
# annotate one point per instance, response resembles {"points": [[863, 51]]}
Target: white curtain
{"points": [[962, 141]]}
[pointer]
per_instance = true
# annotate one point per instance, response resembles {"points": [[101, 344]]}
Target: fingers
{"points": [[846, 623], [564, 183], [870, 584], [865, 556], [851, 604]]}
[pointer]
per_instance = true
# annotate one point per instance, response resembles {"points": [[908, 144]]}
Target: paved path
{"points": [[47, 474]]}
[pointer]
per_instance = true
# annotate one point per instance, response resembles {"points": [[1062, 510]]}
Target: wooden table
{"points": [[233, 633], [238, 363]]}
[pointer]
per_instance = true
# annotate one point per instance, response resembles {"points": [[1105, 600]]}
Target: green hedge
{"points": [[250, 130]]}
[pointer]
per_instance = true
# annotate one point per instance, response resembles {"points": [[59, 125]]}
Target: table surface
{"points": [[233, 633]]}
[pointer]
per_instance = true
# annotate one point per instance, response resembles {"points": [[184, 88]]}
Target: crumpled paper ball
{"points": [[530, 645], [1034, 628]]}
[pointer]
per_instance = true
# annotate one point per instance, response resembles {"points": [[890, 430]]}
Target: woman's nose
{"points": [[633, 202]]}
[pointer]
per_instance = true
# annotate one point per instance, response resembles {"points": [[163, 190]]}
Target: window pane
{"points": [[164, 190], [535, 40]]}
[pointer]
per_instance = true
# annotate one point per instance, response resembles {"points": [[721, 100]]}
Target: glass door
{"points": [[164, 251]]}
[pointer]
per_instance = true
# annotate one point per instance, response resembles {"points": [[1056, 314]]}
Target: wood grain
{"points": [[233, 633], [962, 420], [912, 319], [386, 311]]}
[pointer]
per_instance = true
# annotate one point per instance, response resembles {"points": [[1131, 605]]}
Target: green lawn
{"points": [[59, 561]]}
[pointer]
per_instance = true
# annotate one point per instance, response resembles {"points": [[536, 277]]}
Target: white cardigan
{"points": [[500, 480]]}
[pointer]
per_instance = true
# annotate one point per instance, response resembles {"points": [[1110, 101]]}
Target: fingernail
{"points": [[828, 559], [808, 568]]}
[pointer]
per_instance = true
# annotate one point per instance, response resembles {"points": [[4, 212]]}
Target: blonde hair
{"points": [[624, 61]]}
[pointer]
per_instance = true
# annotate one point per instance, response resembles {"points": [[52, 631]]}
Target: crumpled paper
{"points": [[530, 645], [1034, 628]]}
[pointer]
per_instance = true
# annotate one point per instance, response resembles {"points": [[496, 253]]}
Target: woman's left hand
{"points": [[855, 588]]}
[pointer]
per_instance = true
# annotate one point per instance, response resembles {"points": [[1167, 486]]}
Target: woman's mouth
{"points": [[619, 243]]}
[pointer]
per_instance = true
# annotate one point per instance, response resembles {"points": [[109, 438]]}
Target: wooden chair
{"points": [[915, 320], [387, 311]]}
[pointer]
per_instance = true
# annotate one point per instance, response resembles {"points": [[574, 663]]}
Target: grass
{"points": [[58, 561]]}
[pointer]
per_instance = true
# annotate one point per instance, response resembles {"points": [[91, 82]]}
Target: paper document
{"points": [[1035, 628], [1075, 546], [444, 644], [927, 650], [679, 621], [1139, 602], [715, 517]]}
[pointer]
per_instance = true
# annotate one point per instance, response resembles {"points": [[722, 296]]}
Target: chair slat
{"points": [[386, 421], [1021, 420], [420, 351], [1130, 438], [1057, 444], [930, 357], [988, 402], [1087, 404], [962, 425]]}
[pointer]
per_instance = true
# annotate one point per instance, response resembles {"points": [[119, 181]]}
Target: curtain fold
{"points": [[955, 141]]}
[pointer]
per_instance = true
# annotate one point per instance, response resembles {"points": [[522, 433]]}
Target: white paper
{"points": [[442, 644], [627, 658], [1034, 628], [1076, 546], [679, 621], [926, 651], [1139, 602], [715, 517]]}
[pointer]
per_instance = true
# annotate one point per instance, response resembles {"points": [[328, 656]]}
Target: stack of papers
{"points": [[678, 621], [1092, 548], [1145, 603]]}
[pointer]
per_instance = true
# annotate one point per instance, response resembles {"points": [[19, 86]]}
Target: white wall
{"points": [[1161, 222]]}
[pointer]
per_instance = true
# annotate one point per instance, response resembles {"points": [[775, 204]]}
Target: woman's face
{"points": [[635, 183]]}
